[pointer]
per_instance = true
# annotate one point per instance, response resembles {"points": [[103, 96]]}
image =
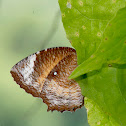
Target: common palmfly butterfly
{"points": [[45, 74]]}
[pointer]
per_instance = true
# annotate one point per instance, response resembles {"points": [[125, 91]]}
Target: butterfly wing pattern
{"points": [[45, 74]]}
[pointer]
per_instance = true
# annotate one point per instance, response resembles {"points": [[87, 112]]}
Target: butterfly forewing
{"points": [[45, 74]]}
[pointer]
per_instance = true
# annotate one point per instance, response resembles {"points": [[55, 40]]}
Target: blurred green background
{"points": [[27, 26]]}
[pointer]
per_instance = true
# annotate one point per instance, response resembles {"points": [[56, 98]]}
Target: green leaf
{"points": [[96, 116], [112, 48], [85, 22], [106, 88]]}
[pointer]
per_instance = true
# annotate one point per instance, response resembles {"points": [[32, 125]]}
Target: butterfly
{"points": [[45, 73]]}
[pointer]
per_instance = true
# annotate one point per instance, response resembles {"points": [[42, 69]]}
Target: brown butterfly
{"points": [[45, 74]]}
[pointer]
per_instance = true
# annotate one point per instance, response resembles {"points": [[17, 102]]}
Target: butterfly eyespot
{"points": [[55, 73], [37, 75]]}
